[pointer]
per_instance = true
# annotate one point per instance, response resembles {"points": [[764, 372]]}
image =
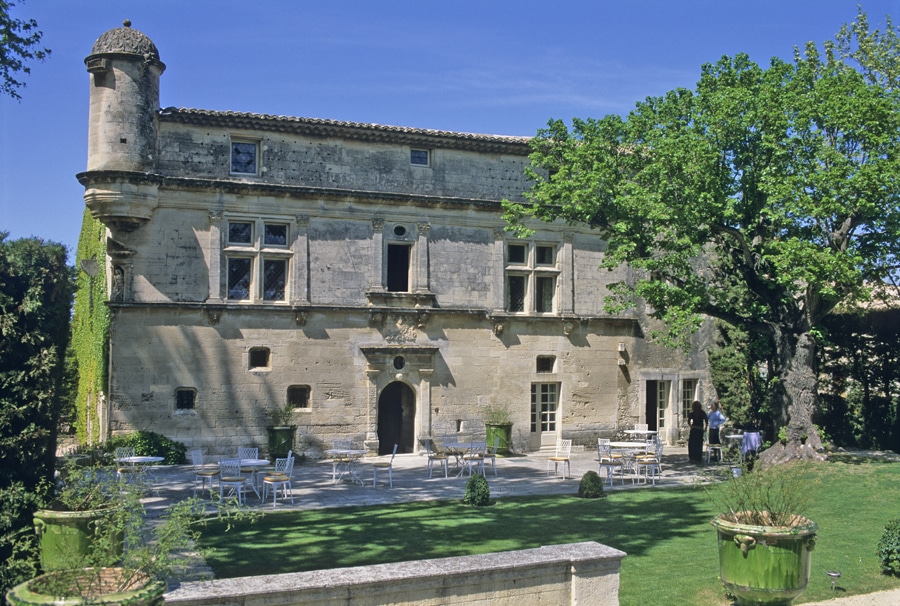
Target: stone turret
{"points": [[125, 69]]}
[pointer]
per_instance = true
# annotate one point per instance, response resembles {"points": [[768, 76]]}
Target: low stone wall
{"points": [[574, 573]]}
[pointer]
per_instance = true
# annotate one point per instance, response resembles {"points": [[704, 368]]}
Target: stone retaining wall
{"points": [[575, 573]]}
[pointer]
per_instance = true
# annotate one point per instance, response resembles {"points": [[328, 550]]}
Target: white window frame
{"points": [[257, 251], [532, 271]]}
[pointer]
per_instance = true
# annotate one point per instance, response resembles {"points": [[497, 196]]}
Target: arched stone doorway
{"points": [[396, 418]]}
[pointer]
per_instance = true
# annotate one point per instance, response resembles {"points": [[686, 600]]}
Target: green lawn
{"points": [[666, 533]]}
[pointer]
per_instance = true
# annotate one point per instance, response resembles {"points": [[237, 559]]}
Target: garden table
{"points": [[255, 464], [141, 465], [348, 457]]}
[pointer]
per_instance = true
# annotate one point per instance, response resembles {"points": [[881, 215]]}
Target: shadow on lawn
{"points": [[307, 540]]}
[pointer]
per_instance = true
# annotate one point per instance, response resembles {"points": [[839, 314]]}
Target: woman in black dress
{"points": [[697, 420]]}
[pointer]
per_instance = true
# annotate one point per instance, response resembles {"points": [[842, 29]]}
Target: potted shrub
{"points": [[281, 433], [120, 559], [498, 424], [765, 541]]}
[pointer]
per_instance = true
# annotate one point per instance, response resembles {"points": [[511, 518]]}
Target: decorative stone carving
{"points": [[213, 315], [499, 327], [401, 328]]}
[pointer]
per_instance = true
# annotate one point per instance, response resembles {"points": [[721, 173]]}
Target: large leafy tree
{"points": [[36, 289], [19, 43], [764, 197]]}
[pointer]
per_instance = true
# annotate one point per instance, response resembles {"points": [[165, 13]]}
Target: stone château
{"points": [[360, 274]]}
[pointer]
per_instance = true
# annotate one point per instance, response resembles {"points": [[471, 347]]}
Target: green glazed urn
{"points": [[765, 564], [98, 587]]}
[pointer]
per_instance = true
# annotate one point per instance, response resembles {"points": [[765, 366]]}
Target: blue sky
{"points": [[471, 66]]}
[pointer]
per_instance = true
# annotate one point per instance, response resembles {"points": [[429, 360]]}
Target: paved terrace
{"points": [[517, 475]]}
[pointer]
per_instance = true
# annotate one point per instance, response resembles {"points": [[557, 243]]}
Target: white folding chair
{"points": [[281, 478], [125, 469], [491, 455], [230, 477], [561, 457], [650, 464], [434, 456], [202, 474], [609, 463], [474, 459], [384, 465]]}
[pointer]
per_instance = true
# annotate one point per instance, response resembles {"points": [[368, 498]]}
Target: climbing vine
{"points": [[90, 327]]}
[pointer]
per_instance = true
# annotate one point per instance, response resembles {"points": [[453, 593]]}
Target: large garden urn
{"points": [[765, 564]]}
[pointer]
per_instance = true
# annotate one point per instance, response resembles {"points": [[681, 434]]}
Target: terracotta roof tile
{"points": [[348, 130]]}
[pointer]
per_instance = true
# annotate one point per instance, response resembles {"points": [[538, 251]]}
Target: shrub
{"points": [[591, 486], [149, 443], [889, 548], [478, 492]]}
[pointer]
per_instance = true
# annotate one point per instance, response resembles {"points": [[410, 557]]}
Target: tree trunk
{"points": [[796, 390]]}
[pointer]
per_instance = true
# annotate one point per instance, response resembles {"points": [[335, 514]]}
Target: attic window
{"points": [[419, 157], [244, 157]]}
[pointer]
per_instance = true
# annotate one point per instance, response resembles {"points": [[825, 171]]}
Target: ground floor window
{"points": [[185, 398], [688, 395], [298, 396]]}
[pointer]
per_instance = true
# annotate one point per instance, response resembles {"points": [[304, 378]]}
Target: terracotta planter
{"points": [[96, 587], [66, 536], [765, 564]]}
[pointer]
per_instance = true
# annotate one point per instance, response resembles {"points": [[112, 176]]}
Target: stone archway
{"points": [[396, 418]]}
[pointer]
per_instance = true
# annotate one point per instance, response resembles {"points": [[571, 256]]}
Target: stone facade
{"points": [[359, 272]]}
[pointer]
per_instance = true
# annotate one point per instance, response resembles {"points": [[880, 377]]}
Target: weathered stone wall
{"points": [[577, 573], [189, 151], [158, 350]]}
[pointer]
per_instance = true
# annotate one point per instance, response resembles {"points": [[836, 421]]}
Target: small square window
{"points": [[298, 396], [419, 157], [240, 232], [243, 157], [260, 358], [543, 255], [185, 398], [515, 253], [545, 363]]}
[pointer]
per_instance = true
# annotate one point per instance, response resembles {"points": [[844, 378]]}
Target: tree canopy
{"points": [[19, 43], [765, 197]]}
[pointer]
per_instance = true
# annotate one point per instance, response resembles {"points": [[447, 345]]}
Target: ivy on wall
{"points": [[90, 327]]}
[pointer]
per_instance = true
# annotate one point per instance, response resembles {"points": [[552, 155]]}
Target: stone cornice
{"points": [[375, 133], [98, 177]]}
